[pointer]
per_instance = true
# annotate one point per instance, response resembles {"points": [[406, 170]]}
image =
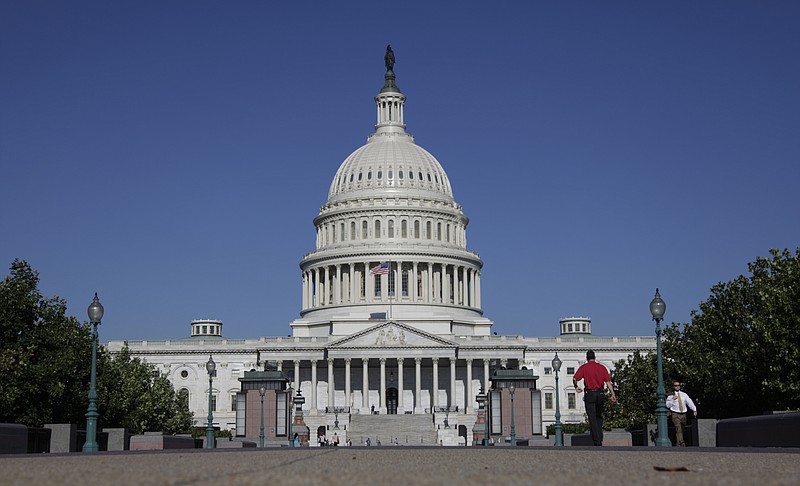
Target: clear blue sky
{"points": [[172, 155]]}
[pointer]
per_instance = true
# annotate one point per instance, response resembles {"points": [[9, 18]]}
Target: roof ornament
{"points": [[389, 58]]}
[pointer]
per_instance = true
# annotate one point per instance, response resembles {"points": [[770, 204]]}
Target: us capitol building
{"points": [[391, 343]]}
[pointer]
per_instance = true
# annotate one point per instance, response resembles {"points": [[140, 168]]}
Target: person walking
{"points": [[595, 376], [678, 405]]}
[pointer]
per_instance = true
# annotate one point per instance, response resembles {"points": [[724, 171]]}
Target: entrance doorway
{"points": [[391, 401]]}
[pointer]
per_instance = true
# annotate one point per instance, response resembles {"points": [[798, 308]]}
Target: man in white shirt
{"points": [[678, 404]]}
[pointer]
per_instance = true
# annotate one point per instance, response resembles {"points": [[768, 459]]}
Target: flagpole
{"points": [[391, 274]]}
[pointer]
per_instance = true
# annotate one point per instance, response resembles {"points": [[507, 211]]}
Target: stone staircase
{"points": [[407, 429]]}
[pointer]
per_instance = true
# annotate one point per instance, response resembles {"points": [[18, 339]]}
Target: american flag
{"points": [[382, 269]]}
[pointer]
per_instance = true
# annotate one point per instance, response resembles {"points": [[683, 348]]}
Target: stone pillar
{"points": [[365, 383], [314, 386], [326, 299], [468, 389], [412, 282], [464, 286], [383, 385], [435, 386], [400, 407], [296, 375], [348, 401], [418, 391], [486, 375], [331, 385], [316, 288], [429, 284], [452, 397], [353, 298]]}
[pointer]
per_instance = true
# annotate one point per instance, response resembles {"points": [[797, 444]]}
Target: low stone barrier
{"points": [[235, 444], [13, 439], [158, 441], [614, 437], [775, 430]]}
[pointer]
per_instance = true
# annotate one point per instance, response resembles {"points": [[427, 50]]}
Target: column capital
{"points": [[365, 361], [400, 361], [347, 361], [330, 361], [383, 361], [297, 362], [469, 361], [313, 362], [417, 360], [435, 361]]}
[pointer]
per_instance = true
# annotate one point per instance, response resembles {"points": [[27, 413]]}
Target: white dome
{"points": [[390, 163]]}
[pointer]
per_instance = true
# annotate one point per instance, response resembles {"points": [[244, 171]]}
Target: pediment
{"points": [[392, 335]]}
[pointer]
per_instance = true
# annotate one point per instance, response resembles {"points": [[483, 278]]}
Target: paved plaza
{"points": [[410, 465]]}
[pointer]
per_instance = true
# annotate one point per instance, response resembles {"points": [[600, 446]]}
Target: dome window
{"points": [[420, 175], [369, 175], [410, 174], [391, 174], [351, 177], [429, 177], [400, 174], [360, 176], [380, 174]]}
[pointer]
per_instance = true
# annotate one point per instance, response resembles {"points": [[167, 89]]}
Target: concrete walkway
{"points": [[392, 465]]}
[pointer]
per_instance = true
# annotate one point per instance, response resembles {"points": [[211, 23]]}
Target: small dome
{"points": [[390, 163]]}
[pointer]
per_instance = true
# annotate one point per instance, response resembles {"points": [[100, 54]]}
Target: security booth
{"points": [[515, 406], [264, 394]]}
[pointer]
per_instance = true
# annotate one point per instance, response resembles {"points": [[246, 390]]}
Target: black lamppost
{"points": [[511, 390], [211, 367], [657, 309], [483, 399], [95, 315], [261, 392], [557, 367]]}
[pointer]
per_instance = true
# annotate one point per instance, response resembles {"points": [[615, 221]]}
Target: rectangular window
{"points": [[377, 285], [405, 284], [570, 370], [281, 418], [213, 403], [240, 414], [571, 401], [548, 401], [233, 402], [548, 370]]}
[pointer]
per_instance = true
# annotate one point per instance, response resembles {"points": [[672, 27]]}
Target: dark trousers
{"points": [[594, 401]]}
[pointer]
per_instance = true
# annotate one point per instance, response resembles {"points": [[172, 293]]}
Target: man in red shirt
{"points": [[595, 376]]}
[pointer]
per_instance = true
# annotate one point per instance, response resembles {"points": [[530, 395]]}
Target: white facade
{"points": [[410, 339]]}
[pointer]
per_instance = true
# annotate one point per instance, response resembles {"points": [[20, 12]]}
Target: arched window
{"points": [[416, 229], [364, 228], [341, 230], [390, 228], [377, 233], [404, 229], [353, 235], [439, 231], [428, 230]]}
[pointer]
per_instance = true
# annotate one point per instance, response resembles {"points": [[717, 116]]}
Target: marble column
{"points": [[452, 397], [331, 385], [486, 375], [383, 385], [296, 385], [400, 407], [348, 401], [418, 391], [435, 386], [313, 387], [365, 383], [469, 398]]}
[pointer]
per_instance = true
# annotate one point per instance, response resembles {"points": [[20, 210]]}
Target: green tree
{"points": [[45, 355], [133, 394], [740, 355], [635, 383], [45, 361]]}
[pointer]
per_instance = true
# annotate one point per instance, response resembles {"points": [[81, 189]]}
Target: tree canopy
{"points": [[739, 355], [45, 361]]}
